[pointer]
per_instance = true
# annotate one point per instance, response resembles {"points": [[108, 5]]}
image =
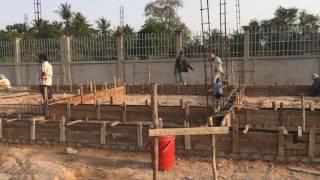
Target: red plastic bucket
{"points": [[167, 152]]}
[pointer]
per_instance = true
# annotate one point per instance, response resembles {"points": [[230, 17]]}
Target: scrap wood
{"points": [[307, 171]]}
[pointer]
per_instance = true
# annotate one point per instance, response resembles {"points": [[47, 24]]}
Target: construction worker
{"points": [[315, 88], [181, 67], [218, 89], [46, 74], [217, 66], [4, 82]]}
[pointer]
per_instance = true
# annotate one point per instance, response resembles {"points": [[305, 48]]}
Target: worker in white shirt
{"points": [[46, 74], [217, 66], [4, 82]]}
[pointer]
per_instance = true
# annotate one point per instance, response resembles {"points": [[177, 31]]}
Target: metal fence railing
{"points": [[101, 48], [7, 49], [31, 48], [150, 46], [284, 41]]}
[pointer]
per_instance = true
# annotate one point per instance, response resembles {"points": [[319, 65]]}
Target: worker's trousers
{"points": [[49, 91]]}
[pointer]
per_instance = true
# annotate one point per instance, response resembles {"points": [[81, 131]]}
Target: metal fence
{"points": [[7, 49], [284, 41], [31, 48], [101, 48], [150, 46]]}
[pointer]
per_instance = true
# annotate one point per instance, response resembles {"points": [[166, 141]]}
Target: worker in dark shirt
{"points": [[181, 67], [315, 88]]}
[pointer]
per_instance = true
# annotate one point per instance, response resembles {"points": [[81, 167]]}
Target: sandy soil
{"points": [[32, 99], [47, 163], [165, 100], [289, 101]]}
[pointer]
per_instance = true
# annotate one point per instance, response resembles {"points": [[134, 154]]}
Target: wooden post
{"points": [[187, 143], [69, 110], [281, 143], [181, 102], [213, 151], [63, 130], [1, 136], [235, 135], [139, 136], [274, 106], [124, 112], [103, 132], [98, 111], [19, 116], [105, 91], [154, 100], [33, 129], [91, 86], [78, 92], [111, 100], [312, 142], [303, 110], [81, 93], [281, 116]]}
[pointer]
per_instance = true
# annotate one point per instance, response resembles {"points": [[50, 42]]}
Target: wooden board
{"points": [[188, 131]]}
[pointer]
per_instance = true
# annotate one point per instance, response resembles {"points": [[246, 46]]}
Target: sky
{"points": [[13, 11]]}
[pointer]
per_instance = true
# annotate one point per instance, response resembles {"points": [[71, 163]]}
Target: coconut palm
{"points": [[65, 13], [103, 26]]}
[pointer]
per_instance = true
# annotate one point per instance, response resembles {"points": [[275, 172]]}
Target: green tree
{"points": [[285, 16], [64, 11], [80, 25], [152, 26], [165, 12], [127, 29], [103, 26], [309, 21]]}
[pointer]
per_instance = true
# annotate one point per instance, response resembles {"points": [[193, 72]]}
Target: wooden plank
{"points": [[188, 131], [114, 123], [312, 142], [98, 111], [303, 123], [307, 171], [124, 112], [74, 122], [69, 110]]}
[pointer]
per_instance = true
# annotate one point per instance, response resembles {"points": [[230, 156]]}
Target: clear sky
{"points": [[12, 11]]}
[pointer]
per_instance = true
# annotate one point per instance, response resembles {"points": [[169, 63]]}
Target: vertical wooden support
{"points": [[19, 116], [98, 106], [63, 130], [81, 93], [213, 151], [33, 129], [274, 106], [187, 140], [181, 102], [91, 86], [69, 110], [105, 91], [78, 92], [235, 134], [103, 132], [281, 152], [53, 117], [1, 136], [111, 100], [146, 102], [139, 136], [303, 109], [281, 116], [154, 99], [124, 112], [312, 142]]}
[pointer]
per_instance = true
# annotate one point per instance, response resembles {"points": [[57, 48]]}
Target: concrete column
{"points": [[65, 54], [179, 41], [17, 60], [246, 54], [120, 63]]}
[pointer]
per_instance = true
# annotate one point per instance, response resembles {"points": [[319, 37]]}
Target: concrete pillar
{"points": [[17, 60], [120, 63], [246, 54], [65, 54], [179, 41]]}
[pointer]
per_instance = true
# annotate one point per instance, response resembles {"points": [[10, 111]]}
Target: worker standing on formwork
{"points": [[46, 74], [181, 67], [217, 66], [315, 89], [4, 83]]}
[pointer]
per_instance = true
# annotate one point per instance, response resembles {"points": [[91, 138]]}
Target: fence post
{"points": [[65, 54], [246, 54], [179, 42], [17, 60], [120, 63]]}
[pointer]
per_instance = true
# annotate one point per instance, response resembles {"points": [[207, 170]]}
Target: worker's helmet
{"points": [[315, 76]]}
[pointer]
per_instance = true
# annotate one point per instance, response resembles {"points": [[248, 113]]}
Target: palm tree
{"points": [[65, 13], [80, 25], [103, 26]]}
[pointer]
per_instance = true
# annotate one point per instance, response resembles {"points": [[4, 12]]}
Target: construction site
{"points": [[114, 104]]}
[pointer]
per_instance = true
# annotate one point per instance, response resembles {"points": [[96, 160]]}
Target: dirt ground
{"points": [[289, 101], [52, 163], [31, 99], [164, 100]]}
